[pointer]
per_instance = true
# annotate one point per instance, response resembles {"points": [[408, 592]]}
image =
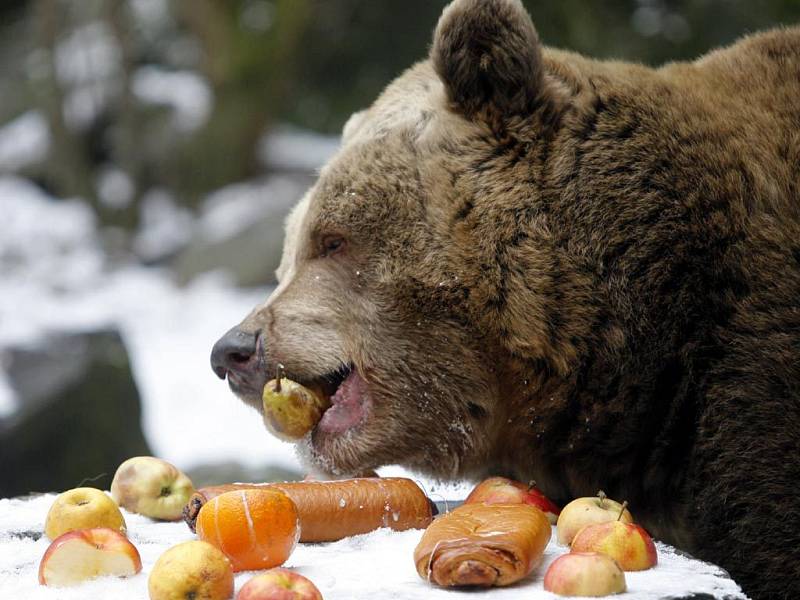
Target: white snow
{"points": [[292, 149], [23, 141], [234, 208], [87, 63], [165, 226], [185, 92], [87, 54], [150, 14], [47, 249], [115, 187], [377, 565]]}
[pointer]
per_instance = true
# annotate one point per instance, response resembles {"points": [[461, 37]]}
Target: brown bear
{"points": [[526, 262]]}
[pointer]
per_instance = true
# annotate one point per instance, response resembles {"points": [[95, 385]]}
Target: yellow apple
{"points": [[584, 574], [84, 554], [151, 487], [82, 508], [192, 569], [290, 409], [586, 511], [279, 584], [628, 544]]}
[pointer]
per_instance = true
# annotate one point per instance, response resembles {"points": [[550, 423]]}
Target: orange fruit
{"points": [[255, 529]]}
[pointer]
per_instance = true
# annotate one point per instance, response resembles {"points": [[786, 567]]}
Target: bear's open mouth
{"points": [[347, 392], [329, 383]]}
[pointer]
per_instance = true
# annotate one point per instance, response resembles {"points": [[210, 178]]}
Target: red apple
{"points": [[584, 574], [88, 553], [586, 511], [628, 544], [279, 584], [500, 490]]}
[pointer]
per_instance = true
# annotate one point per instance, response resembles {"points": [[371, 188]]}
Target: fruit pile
{"points": [[496, 538], [239, 530], [604, 541]]}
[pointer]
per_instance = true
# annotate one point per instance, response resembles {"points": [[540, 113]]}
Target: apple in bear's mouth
{"points": [[341, 400]]}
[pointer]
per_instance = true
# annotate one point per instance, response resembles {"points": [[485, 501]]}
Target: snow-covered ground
{"points": [[377, 565]]}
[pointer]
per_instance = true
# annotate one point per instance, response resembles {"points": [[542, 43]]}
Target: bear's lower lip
{"points": [[350, 405]]}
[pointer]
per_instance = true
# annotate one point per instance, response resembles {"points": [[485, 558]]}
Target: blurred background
{"points": [[149, 151]]}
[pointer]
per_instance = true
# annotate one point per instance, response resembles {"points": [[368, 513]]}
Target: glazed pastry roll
{"points": [[483, 545]]}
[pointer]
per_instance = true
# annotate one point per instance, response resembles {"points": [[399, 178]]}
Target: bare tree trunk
{"points": [[126, 138], [68, 161], [249, 73]]}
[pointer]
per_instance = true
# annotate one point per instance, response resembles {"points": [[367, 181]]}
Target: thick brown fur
{"points": [[584, 273]]}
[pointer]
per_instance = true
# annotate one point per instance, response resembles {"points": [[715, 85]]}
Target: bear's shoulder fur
{"points": [[632, 236]]}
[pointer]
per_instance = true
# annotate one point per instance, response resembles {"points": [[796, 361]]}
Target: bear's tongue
{"points": [[348, 405]]}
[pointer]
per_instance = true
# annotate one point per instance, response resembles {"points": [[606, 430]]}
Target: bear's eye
{"points": [[332, 244]]}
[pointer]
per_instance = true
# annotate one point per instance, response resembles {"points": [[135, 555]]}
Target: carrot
{"points": [[333, 510]]}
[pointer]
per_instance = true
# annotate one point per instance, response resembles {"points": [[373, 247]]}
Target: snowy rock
{"points": [[78, 416]]}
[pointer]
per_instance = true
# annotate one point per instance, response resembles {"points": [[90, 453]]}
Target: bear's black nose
{"points": [[234, 351]]}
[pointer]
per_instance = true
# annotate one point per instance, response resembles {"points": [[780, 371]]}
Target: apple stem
{"points": [[624, 506], [602, 495], [531, 484], [278, 377]]}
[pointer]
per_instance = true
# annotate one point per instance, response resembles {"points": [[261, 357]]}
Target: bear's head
{"points": [[390, 293]]}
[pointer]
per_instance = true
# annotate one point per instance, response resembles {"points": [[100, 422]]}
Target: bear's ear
{"points": [[487, 54]]}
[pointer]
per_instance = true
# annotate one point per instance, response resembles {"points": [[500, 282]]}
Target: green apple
{"points": [[151, 487], [290, 409], [587, 511]]}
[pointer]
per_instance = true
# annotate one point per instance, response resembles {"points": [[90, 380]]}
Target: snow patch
{"points": [[291, 149], [165, 226], [115, 187], [48, 246], [185, 92], [151, 14], [376, 565], [88, 54], [24, 141], [234, 208]]}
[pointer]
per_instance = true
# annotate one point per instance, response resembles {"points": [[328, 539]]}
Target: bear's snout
{"points": [[236, 356]]}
